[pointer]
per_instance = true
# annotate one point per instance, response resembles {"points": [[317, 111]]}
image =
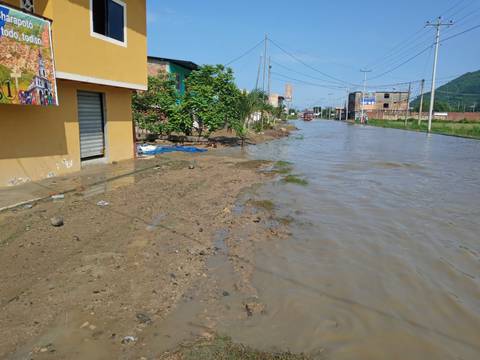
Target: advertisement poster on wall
{"points": [[27, 70]]}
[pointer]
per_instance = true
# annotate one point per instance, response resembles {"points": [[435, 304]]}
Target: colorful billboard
{"points": [[27, 69]]}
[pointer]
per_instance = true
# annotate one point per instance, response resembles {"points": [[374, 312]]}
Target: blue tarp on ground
{"points": [[155, 150]]}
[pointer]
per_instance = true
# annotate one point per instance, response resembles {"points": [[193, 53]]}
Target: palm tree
{"points": [[249, 104]]}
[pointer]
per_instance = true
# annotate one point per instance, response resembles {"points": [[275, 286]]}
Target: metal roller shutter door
{"points": [[90, 117]]}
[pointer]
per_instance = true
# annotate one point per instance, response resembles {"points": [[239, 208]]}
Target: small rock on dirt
{"points": [[57, 221], [103, 203], [144, 318], [129, 339], [225, 293]]}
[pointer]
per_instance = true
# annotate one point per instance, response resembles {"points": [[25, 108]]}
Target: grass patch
{"points": [[286, 220], [263, 204], [463, 128], [282, 167], [294, 179], [283, 164], [222, 348], [252, 164]]}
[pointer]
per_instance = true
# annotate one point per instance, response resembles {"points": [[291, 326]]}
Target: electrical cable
{"points": [[245, 53], [307, 65]]}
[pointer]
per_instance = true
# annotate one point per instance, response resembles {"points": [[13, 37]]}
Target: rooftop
{"points": [[183, 63]]}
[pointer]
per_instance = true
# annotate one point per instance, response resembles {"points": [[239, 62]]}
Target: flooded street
{"points": [[384, 257], [376, 256]]}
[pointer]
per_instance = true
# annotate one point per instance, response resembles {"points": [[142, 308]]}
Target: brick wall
{"points": [[452, 116]]}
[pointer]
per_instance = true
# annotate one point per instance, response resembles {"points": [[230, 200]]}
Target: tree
{"points": [[157, 108], [212, 99], [248, 104]]}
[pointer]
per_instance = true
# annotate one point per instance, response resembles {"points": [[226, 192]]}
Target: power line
{"points": [[451, 8], [303, 74], [307, 65], [403, 63], [355, 85], [460, 33], [307, 82], [397, 49], [244, 54]]}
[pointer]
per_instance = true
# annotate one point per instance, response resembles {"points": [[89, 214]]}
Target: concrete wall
{"points": [[39, 142], [397, 101], [156, 68]]}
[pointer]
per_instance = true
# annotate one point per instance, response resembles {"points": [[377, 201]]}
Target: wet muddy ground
{"points": [[104, 284], [346, 243]]}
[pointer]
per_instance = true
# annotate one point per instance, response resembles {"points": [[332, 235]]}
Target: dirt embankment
{"points": [[92, 288], [226, 137]]}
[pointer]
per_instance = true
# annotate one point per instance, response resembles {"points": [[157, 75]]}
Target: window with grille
{"points": [[27, 5]]}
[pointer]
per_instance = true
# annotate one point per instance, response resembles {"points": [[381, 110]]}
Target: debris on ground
{"points": [[225, 348], [147, 149], [57, 221], [144, 318], [129, 339], [103, 203], [58, 197]]}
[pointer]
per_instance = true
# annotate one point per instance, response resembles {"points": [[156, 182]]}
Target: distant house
{"points": [[276, 100], [179, 68]]}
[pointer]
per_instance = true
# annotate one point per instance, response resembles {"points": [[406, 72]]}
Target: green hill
{"points": [[457, 95]]}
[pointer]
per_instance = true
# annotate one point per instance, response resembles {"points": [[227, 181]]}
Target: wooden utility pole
{"points": [[420, 110]]}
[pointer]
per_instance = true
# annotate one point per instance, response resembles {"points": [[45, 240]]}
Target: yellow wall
{"points": [[79, 53], [38, 142]]}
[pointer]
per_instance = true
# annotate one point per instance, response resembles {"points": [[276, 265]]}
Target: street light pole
{"points": [[438, 24], [363, 94]]}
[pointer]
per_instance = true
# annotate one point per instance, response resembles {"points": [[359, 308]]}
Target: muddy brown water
{"points": [[384, 257]]}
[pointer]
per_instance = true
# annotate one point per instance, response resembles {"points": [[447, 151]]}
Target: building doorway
{"points": [[92, 125]]}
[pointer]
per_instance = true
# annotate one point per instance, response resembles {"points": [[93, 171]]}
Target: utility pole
{"points": [[438, 24], [362, 118], [269, 75], [420, 110], [346, 104], [258, 73], [408, 103], [265, 62]]}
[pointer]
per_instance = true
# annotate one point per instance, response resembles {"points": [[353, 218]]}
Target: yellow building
{"points": [[98, 63]]}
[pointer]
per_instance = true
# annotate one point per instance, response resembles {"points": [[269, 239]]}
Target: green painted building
{"points": [[179, 68]]}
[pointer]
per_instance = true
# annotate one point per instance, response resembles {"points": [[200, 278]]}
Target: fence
{"points": [[450, 116]]}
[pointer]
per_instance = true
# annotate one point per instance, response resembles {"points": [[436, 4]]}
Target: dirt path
{"points": [[92, 288]]}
